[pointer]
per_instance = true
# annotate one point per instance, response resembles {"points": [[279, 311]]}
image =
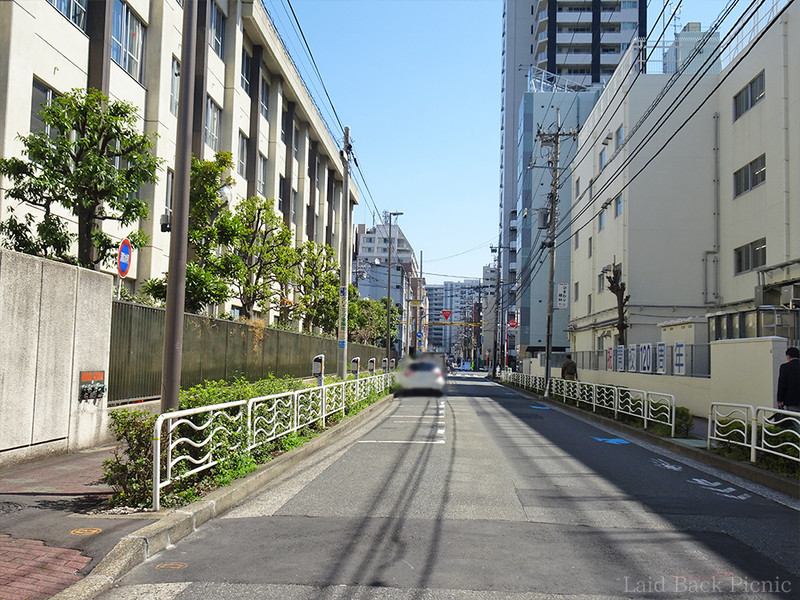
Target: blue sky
{"points": [[418, 83]]}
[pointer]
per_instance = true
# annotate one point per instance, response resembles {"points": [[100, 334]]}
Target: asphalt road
{"points": [[487, 494]]}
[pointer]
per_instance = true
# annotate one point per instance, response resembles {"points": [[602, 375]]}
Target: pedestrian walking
{"points": [[789, 381], [569, 370]]}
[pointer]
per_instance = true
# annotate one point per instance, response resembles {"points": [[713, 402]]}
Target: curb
{"points": [[744, 470], [135, 548]]}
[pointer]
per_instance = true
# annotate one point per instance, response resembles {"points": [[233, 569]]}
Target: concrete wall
{"points": [[743, 371], [57, 323]]}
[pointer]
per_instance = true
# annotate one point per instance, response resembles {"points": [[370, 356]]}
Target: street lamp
{"points": [[389, 290]]}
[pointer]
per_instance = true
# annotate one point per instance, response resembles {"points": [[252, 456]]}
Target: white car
{"points": [[422, 375]]}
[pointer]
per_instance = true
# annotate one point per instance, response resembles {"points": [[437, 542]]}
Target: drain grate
{"points": [[9, 507]]}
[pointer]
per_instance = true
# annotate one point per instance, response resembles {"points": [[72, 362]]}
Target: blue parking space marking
{"points": [[540, 407], [612, 440]]}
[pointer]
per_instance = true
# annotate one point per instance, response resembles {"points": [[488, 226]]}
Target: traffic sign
{"points": [[513, 323], [446, 314], [124, 255], [419, 335]]}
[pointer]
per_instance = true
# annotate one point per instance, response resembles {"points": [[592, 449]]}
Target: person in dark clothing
{"points": [[569, 370], [789, 381]]}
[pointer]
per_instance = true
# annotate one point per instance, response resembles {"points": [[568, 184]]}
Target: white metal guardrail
{"points": [[759, 428], [190, 439], [651, 407]]}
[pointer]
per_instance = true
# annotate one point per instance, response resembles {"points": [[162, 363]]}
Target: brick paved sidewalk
{"points": [[29, 570]]}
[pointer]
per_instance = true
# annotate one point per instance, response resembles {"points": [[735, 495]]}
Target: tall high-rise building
{"points": [[579, 40]]}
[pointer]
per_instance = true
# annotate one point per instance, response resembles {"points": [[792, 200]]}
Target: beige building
{"points": [[698, 198], [249, 100]]}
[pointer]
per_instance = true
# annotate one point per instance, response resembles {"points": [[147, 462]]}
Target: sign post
{"points": [[124, 256]]}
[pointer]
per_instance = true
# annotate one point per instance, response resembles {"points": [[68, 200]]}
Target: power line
{"points": [[670, 110], [639, 148], [314, 62]]}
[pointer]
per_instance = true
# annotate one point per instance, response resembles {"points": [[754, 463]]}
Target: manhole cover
{"points": [[9, 507]]}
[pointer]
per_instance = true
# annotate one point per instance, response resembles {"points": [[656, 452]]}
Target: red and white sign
{"points": [[446, 314], [124, 255], [512, 323]]}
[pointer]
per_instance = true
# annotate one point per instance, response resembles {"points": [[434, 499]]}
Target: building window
{"points": [[750, 256], [601, 283], [296, 144], [294, 206], [752, 93], [601, 220], [588, 304], [170, 191], [247, 62], [629, 4], [602, 158], [175, 86], [618, 136], [575, 292], [589, 246], [577, 187], [261, 184], [74, 10], [41, 96], [281, 188], [576, 239], [264, 98], [618, 206], [216, 26], [750, 176], [213, 114], [127, 41], [284, 124], [242, 165]]}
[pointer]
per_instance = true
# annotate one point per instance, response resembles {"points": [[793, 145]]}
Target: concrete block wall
{"points": [[56, 323]]}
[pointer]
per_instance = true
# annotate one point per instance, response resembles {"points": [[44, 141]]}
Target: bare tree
{"points": [[618, 287]]}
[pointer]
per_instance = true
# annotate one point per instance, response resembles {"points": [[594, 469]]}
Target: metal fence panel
{"points": [[213, 349]]}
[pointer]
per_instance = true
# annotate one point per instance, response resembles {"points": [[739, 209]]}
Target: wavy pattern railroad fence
{"points": [[193, 440], [758, 428], [651, 407]]}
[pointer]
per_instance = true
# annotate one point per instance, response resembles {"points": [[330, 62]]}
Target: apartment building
{"points": [[249, 100], [693, 196], [580, 40], [373, 262], [550, 104]]}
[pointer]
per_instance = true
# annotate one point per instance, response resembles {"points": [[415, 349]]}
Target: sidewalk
{"points": [[48, 537], [51, 538]]}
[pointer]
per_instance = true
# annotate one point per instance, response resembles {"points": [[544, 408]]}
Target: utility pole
{"points": [[389, 292], [344, 284], [496, 307], [179, 237], [552, 139]]}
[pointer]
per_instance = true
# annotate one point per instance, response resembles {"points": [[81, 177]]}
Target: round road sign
{"points": [[124, 255]]}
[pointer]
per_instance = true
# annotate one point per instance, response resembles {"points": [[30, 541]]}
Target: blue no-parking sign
{"points": [[124, 255]]}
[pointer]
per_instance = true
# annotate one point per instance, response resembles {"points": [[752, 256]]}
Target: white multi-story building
{"points": [[579, 40], [701, 212], [249, 100], [372, 264]]}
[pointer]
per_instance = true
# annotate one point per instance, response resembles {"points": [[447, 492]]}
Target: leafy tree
{"points": [[261, 246], [617, 287], [284, 277], [318, 287], [211, 230], [91, 162], [367, 320]]}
